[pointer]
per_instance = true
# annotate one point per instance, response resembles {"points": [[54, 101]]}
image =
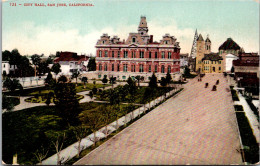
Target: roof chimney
{"points": [[151, 38]]}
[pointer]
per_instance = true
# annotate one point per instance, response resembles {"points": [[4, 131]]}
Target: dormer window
{"points": [[133, 40], [166, 42], [103, 41]]}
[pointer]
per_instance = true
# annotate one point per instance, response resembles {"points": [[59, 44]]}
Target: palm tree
{"points": [[138, 78], [75, 75], [112, 81], [84, 80]]}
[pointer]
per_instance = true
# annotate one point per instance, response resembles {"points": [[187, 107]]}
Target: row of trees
{"points": [[23, 65]]}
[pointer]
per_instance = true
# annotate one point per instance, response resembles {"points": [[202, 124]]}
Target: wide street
{"points": [[196, 127]]}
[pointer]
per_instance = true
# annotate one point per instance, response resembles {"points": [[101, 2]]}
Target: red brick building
{"points": [[137, 55]]}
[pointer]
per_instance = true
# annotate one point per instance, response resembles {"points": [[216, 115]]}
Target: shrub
{"points": [[238, 108], [248, 139]]}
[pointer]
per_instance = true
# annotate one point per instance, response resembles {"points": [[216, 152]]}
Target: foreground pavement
{"points": [[196, 127]]}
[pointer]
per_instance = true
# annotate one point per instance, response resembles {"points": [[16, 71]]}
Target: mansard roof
{"points": [[229, 44], [212, 57]]}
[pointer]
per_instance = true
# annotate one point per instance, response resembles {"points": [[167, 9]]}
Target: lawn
{"points": [[43, 99], [27, 130], [251, 148], [138, 97], [45, 90]]}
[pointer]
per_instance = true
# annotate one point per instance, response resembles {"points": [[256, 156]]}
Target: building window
{"points": [[113, 54], [166, 42], [124, 77], [150, 54], [169, 55], [112, 67], [99, 76], [105, 53], [105, 67], [162, 70], [103, 41], [155, 55], [125, 54], [219, 68], [100, 67], [4, 65], [155, 68], [133, 68], [141, 54], [169, 69], [163, 55], [133, 54], [141, 68], [125, 68], [219, 62], [100, 53], [118, 54], [133, 39], [150, 68], [118, 67]]}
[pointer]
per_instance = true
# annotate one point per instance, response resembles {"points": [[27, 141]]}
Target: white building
{"points": [[184, 60], [229, 61], [71, 62], [7, 68]]}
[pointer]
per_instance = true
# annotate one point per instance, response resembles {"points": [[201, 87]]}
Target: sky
{"points": [[45, 30]]}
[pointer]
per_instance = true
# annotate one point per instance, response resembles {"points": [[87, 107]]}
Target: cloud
{"points": [[31, 39]]}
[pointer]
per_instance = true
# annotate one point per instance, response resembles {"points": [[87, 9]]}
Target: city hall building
{"points": [[137, 55]]}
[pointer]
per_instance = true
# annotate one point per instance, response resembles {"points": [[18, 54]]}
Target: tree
{"points": [[7, 103], [67, 105], [92, 64], [168, 78], [62, 79], [138, 80], [112, 80], [49, 81], [41, 153], [163, 83], [43, 68], [232, 69], [12, 85], [186, 71], [104, 80], [58, 144], [48, 101], [56, 69], [6, 55], [91, 95], [75, 75], [153, 82], [80, 133], [147, 96], [84, 80], [92, 121], [36, 60]]}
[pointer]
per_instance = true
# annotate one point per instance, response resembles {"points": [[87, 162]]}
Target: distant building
{"points": [[7, 68], [184, 60], [229, 51], [247, 70], [137, 55], [206, 61], [71, 62]]}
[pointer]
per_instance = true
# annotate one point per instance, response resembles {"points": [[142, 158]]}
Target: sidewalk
{"points": [[71, 150]]}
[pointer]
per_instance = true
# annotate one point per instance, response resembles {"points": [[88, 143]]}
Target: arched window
{"points": [[141, 68], [169, 69], [112, 67], [162, 70], [105, 67], [100, 67]]}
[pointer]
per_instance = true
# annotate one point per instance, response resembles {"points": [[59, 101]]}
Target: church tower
{"points": [[194, 45], [200, 53], [207, 45], [142, 28]]}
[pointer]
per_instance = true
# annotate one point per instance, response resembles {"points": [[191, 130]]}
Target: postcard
{"points": [[130, 82]]}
